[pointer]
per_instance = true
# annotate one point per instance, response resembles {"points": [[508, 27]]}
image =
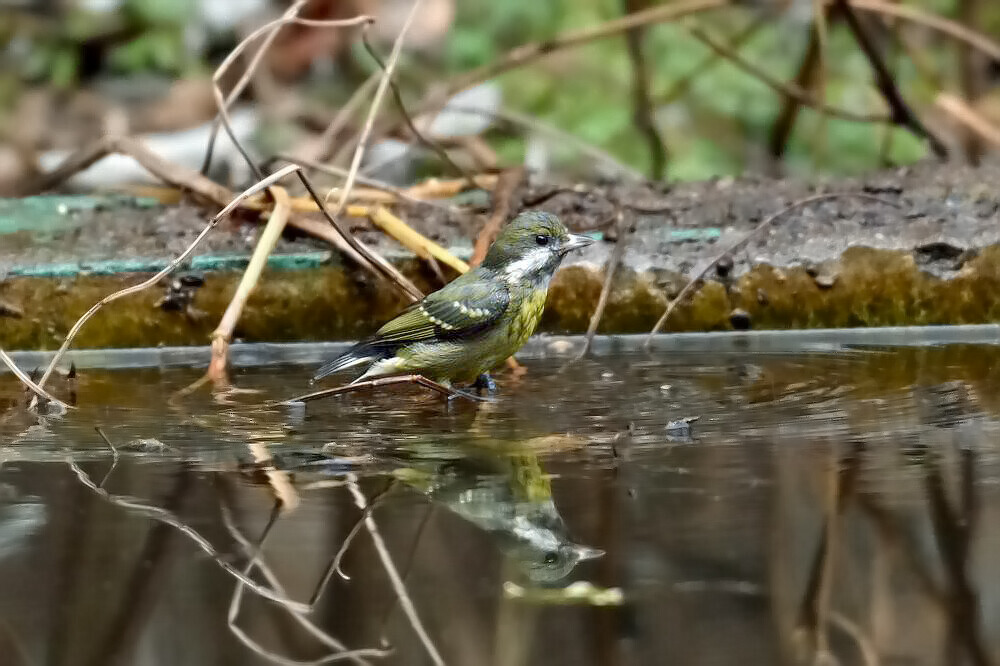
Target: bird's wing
{"points": [[457, 310]]}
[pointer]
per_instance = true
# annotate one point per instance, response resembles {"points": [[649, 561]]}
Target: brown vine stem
{"points": [[609, 275], [178, 260], [26, 380], [223, 102], [902, 114], [223, 333], [405, 602], [787, 88], [383, 87], [526, 53], [958, 109], [956, 31], [757, 231]]}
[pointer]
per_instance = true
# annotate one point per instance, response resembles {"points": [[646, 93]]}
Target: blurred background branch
{"points": [[134, 68]]}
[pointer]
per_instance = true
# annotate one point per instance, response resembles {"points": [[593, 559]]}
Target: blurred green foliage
{"points": [[143, 35], [720, 127]]}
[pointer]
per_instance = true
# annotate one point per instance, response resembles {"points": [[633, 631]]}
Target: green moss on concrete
{"points": [[872, 288], [864, 287], [318, 304]]}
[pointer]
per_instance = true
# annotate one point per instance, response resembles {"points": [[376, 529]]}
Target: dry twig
{"points": [[224, 102], [969, 118], [236, 602], [914, 14], [26, 380], [163, 516], [526, 53], [901, 112], [320, 149], [809, 66], [372, 259], [390, 569], [188, 179], [642, 104], [185, 179], [378, 191], [609, 275], [427, 143], [416, 242], [373, 110], [531, 123], [970, 72], [821, 32], [757, 231], [170, 173], [681, 86], [787, 88], [223, 333], [441, 189], [127, 291], [383, 267]]}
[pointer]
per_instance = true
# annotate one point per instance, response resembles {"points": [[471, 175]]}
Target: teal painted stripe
{"points": [[681, 235], [292, 262], [286, 262]]}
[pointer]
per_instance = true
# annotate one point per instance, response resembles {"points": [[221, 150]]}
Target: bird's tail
{"points": [[356, 355]]}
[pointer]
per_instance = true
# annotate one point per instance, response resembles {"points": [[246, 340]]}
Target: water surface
{"points": [[709, 507]]}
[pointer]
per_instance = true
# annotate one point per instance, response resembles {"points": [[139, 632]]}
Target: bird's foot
{"points": [[484, 383]]}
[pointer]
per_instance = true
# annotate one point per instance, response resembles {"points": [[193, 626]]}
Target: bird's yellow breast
{"points": [[467, 359], [526, 318]]}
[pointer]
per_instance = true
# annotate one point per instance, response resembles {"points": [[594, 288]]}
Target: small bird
{"points": [[469, 326]]}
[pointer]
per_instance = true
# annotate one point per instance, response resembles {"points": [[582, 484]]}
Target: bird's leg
{"points": [[484, 383], [443, 388], [458, 393]]}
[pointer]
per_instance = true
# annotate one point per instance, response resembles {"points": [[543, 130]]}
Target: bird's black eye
{"points": [[542, 239], [551, 557]]}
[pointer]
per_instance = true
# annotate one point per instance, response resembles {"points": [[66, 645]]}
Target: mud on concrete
{"points": [[926, 252]]}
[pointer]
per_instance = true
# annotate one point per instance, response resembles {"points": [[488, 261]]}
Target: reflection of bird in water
{"points": [[531, 532], [509, 497]]}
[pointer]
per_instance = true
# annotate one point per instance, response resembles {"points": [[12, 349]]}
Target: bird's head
{"points": [[550, 563], [531, 247]]}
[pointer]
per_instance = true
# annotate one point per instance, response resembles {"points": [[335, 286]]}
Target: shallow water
{"points": [[843, 501]]}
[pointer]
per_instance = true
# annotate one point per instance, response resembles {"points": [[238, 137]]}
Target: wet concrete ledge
{"points": [[927, 254], [559, 347]]}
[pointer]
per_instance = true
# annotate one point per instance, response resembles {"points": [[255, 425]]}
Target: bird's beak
{"points": [[575, 242], [587, 553]]}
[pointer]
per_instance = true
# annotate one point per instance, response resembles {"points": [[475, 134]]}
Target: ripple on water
{"points": [[703, 485]]}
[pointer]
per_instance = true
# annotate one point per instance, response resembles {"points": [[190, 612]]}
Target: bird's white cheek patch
{"points": [[533, 262]]}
